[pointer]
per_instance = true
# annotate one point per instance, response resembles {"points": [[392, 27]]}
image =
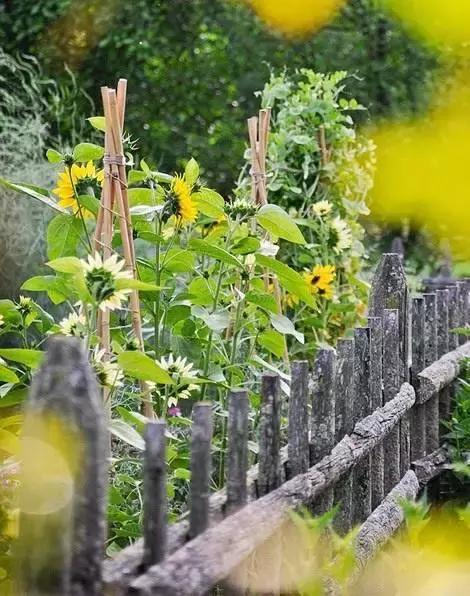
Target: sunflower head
{"points": [[320, 277], [181, 203], [101, 277], [75, 181]]}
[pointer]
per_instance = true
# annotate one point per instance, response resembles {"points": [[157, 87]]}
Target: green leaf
{"points": [[8, 311], [89, 202], [201, 291], [7, 375], [126, 433], [178, 312], [87, 152], [63, 235], [205, 248], [66, 265], [191, 172], [55, 287], [246, 246], [136, 284], [139, 366], [30, 358], [142, 196], [12, 397], [98, 122], [272, 341], [182, 474], [179, 261], [34, 193], [292, 281], [264, 301], [54, 156], [209, 203], [286, 327], [216, 321], [277, 222], [136, 176]]}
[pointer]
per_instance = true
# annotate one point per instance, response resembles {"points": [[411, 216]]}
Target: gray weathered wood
{"points": [[376, 400], [199, 565], [362, 493], [269, 435], [454, 316], [442, 307], [64, 417], [155, 510], [441, 373], [430, 356], [344, 425], [237, 456], [391, 384], [298, 445], [322, 422], [201, 437], [418, 413], [462, 297], [389, 291]]}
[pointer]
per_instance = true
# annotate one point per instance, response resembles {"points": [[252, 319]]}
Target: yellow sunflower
{"points": [[320, 280], [186, 210], [78, 181]]}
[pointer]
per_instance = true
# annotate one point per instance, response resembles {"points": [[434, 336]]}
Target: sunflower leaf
{"points": [[205, 248], [30, 358], [136, 284], [292, 281], [277, 222], [66, 265], [54, 156], [209, 203], [98, 122], [139, 366], [63, 235], [126, 433], [84, 152], [191, 172], [35, 193]]}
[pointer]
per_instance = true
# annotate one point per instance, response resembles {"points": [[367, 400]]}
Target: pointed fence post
{"points": [[430, 356], [269, 473], [454, 316], [362, 493], [344, 421], [155, 511], [63, 501], [418, 413], [237, 456], [322, 422], [442, 307], [298, 447], [376, 401]]}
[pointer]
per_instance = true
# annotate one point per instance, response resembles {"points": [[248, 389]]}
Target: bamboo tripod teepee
{"points": [[115, 205], [258, 132]]}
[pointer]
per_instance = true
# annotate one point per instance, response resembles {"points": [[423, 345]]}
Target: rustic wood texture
{"points": [[430, 356], [418, 413], [344, 425], [442, 307], [362, 493], [65, 416], [454, 316], [237, 456], [391, 384], [322, 421], [269, 435], [298, 445], [155, 506], [201, 461], [462, 300], [199, 565], [376, 401]]}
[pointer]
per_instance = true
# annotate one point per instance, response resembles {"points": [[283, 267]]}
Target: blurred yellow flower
{"points": [[296, 17], [320, 277], [75, 182], [186, 209]]}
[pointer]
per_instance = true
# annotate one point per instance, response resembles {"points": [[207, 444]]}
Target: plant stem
{"points": [[158, 229], [80, 212]]}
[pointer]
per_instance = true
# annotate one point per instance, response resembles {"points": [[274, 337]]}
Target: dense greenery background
{"points": [[193, 66]]}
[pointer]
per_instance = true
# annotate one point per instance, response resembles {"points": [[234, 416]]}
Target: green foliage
{"points": [[459, 424]]}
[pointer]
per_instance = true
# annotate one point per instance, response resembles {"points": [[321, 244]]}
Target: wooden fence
{"points": [[363, 432]]}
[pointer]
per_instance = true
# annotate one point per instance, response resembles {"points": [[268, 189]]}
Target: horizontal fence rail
{"points": [[363, 431]]}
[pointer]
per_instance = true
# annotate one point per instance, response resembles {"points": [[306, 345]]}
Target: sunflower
{"points": [[320, 280], [183, 207], [342, 235], [101, 277], [2, 320], [73, 325], [182, 372], [79, 180], [321, 208], [108, 373]]}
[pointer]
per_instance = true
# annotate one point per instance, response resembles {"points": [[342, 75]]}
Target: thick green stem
{"points": [[158, 229]]}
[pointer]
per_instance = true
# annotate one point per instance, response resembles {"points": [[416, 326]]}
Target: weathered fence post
{"points": [[298, 447], [362, 503], [237, 456], [453, 316], [322, 422], [155, 512], [201, 460], [462, 307], [391, 383], [376, 401], [344, 421], [418, 413], [269, 435], [430, 356], [442, 307], [63, 494]]}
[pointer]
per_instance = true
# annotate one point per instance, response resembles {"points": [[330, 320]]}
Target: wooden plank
{"points": [[418, 413], [462, 298], [237, 456], [64, 458], [454, 316], [391, 381], [269, 435], [239, 534], [442, 307], [201, 437], [155, 510], [298, 445], [322, 421], [362, 492], [376, 401], [344, 425], [430, 356]]}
